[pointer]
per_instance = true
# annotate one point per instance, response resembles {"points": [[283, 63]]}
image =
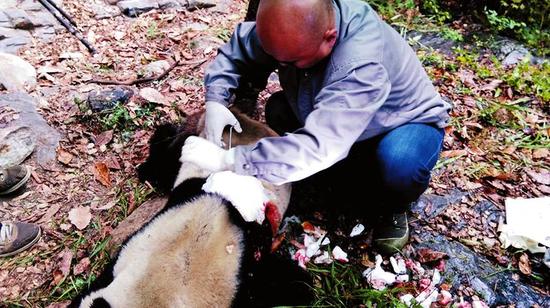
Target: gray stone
{"points": [[156, 68], [200, 4], [42, 18], [222, 6], [134, 8], [11, 33], [466, 267], [19, 18], [47, 138], [101, 100], [16, 144], [102, 11], [197, 26], [204, 42], [6, 4], [5, 21], [429, 206], [434, 40], [4, 17], [31, 6], [12, 45], [170, 4], [515, 57], [44, 33], [17, 74]]}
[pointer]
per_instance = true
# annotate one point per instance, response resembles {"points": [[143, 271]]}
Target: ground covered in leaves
{"points": [[496, 147]]}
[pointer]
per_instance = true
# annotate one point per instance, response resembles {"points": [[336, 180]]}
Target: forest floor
{"points": [[496, 147]]}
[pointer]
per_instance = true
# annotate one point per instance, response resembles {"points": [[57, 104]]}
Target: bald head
{"points": [[291, 29]]}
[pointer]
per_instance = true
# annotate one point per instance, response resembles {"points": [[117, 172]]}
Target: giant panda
{"points": [[198, 251]]}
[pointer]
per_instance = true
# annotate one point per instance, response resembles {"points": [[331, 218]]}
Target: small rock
{"points": [[134, 8], [515, 57], [202, 43], [156, 68], [47, 139], [107, 99], [16, 73], [169, 4], [197, 26], [102, 11], [222, 6], [200, 4], [19, 18], [16, 145]]}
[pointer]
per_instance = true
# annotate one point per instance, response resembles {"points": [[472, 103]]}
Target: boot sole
{"points": [[27, 246], [19, 184]]}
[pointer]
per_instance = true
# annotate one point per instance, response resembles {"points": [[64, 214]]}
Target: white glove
{"points": [[207, 155], [217, 117], [245, 192]]}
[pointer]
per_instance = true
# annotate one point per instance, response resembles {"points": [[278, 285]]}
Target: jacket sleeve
{"points": [[343, 110], [241, 56]]}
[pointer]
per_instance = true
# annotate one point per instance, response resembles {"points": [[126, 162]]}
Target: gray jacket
{"points": [[371, 83]]}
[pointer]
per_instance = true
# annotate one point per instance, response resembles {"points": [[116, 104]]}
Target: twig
{"points": [[149, 79]]}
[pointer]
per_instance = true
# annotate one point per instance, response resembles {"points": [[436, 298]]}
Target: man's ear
{"points": [[329, 39]]}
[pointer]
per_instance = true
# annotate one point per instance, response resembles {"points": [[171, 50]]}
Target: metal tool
{"points": [[66, 21]]}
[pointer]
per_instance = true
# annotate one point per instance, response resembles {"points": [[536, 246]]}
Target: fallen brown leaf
{"points": [[82, 266], [153, 96], [64, 260], [426, 255], [80, 217], [104, 138], [539, 177], [453, 153], [541, 153], [64, 156], [101, 174]]}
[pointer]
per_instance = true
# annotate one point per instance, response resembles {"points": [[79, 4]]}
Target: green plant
{"points": [[153, 31], [501, 23], [452, 34], [338, 285], [432, 7], [116, 117]]}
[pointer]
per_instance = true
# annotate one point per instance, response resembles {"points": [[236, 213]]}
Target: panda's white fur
{"points": [[191, 254], [190, 247]]}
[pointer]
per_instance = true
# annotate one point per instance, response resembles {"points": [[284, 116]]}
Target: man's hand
{"points": [[207, 155], [217, 117], [246, 193]]}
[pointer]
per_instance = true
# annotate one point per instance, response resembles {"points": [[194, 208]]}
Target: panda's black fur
{"points": [[270, 281]]}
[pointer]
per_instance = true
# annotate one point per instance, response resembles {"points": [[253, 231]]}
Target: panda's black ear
{"points": [[100, 302], [162, 165]]}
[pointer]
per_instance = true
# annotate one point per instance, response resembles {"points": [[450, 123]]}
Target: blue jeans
{"points": [[387, 172]]}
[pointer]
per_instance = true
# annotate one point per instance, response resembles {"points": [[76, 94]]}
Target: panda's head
{"points": [[163, 168]]}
